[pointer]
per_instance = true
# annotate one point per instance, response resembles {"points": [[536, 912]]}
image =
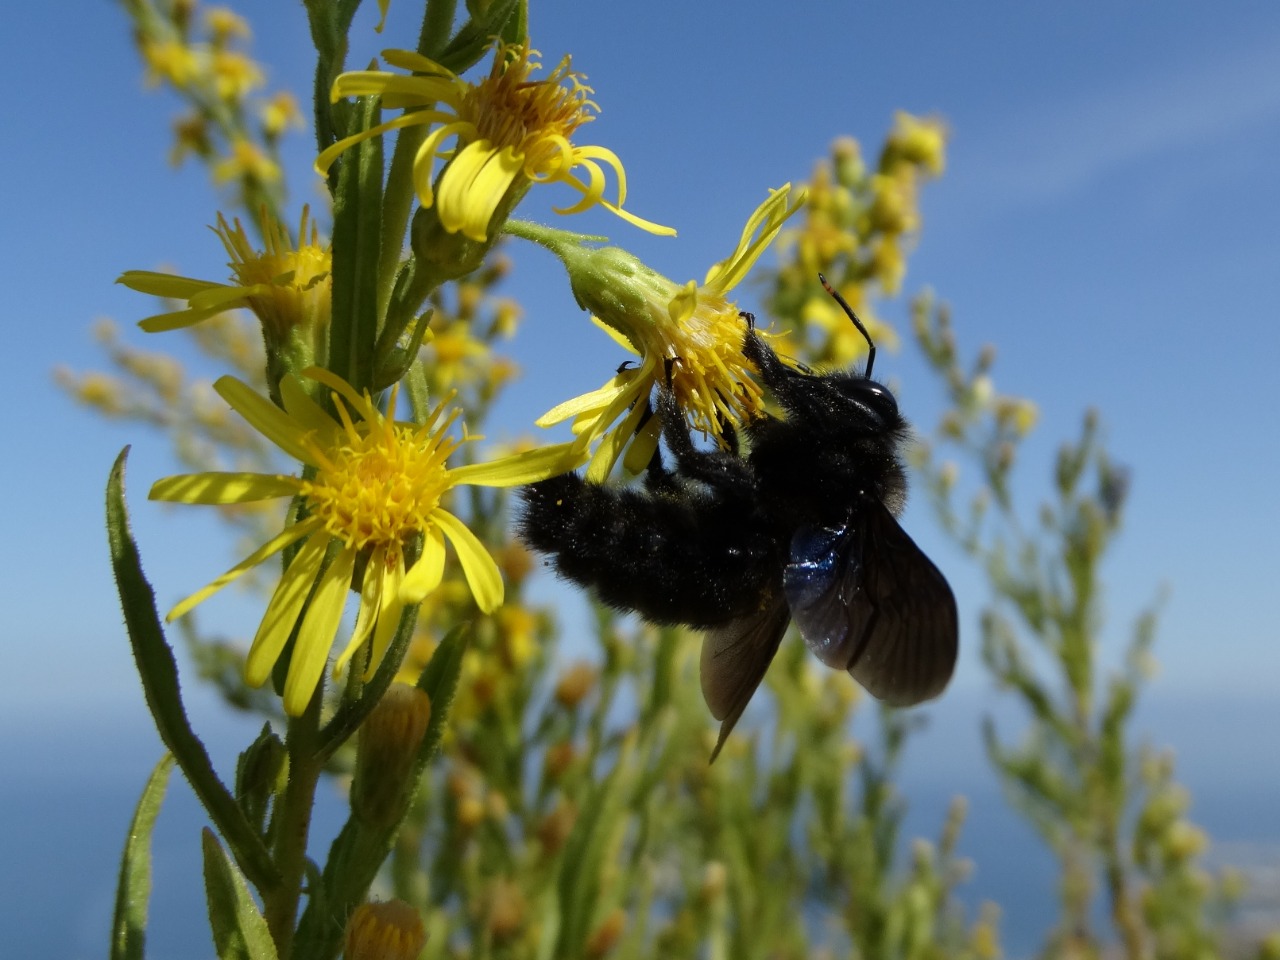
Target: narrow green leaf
{"points": [[239, 929], [584, 854], [129, 926], [440, 682], [470, 42], [159, 674]]}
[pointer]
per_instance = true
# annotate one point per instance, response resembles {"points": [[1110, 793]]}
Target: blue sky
{"points": [[1110, 219], [1106, 220]]}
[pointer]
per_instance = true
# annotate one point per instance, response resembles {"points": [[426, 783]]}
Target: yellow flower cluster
{"points": [[858, 225]]}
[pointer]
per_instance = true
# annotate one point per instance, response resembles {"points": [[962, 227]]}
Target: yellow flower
{"points": [[510, 132], [695, 330], [234, 75], [373, 486], [842, 343], [245, 159], [916, 141], [284, 286], [386, 931], [225, 25], [170, 60], [280, 113]]}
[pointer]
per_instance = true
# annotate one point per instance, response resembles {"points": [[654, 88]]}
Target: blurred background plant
{"points": [[557, 807]]}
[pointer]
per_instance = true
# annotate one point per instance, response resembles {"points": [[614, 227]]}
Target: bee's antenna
{"points": [[871, 354]]}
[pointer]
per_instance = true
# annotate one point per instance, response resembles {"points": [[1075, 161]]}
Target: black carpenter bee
{"points": [[803, 527]]}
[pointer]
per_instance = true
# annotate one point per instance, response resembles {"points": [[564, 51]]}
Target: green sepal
{"points": [[439, 681], [129, 924], [159, 674], [239, 929], [260, 776], [393, 359]]}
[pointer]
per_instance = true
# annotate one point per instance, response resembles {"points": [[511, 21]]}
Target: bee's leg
{"points": [[772, 370], [656, 475], [728, 433], [718, 469]]}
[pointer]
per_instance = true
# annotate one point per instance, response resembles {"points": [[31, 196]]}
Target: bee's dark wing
{"points": [[867, 600], [735, 656]]}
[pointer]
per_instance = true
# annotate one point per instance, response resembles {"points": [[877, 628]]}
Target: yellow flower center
{"points": [[285, 287], [382, 481], [711, 377], [533, 117]]}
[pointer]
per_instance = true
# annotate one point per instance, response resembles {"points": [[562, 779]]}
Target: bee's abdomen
{"points": [[697, 562]]}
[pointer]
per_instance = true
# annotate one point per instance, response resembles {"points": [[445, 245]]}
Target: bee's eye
{"points": [[877, 398]]}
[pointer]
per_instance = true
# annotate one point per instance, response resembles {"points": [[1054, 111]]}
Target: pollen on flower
{"points": [[380, 485], [510, 110], [711, 378], [286, 287]]}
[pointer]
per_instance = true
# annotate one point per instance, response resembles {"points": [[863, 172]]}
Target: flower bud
{"points": [[385, 931], [575, 684], [387, 753]]}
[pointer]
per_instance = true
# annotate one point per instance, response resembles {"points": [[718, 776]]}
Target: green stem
{"points": [[293, 824]]}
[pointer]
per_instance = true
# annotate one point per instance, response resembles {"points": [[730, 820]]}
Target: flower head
{"points": [[286, 287], [692, 333], [374, 488], [510, 132]]}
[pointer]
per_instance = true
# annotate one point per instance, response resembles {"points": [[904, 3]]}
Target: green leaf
{"points": [[440, 682], [585, 852], [159, 674], [239, 929], [129, 926]]}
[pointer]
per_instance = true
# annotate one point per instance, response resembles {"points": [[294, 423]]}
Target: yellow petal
{"points": [[611, 447], [279, 542], [624, 384], [357, 401], [265, 417], [283, 610], [642, 447], [370, 601], [315, 636], [617, 336], [416, 119], [425, 575], [390, 610], [483, 576], [299, 405], [472, 186], [164, 284], [521, 468], [222, 488], [177, 319]]}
